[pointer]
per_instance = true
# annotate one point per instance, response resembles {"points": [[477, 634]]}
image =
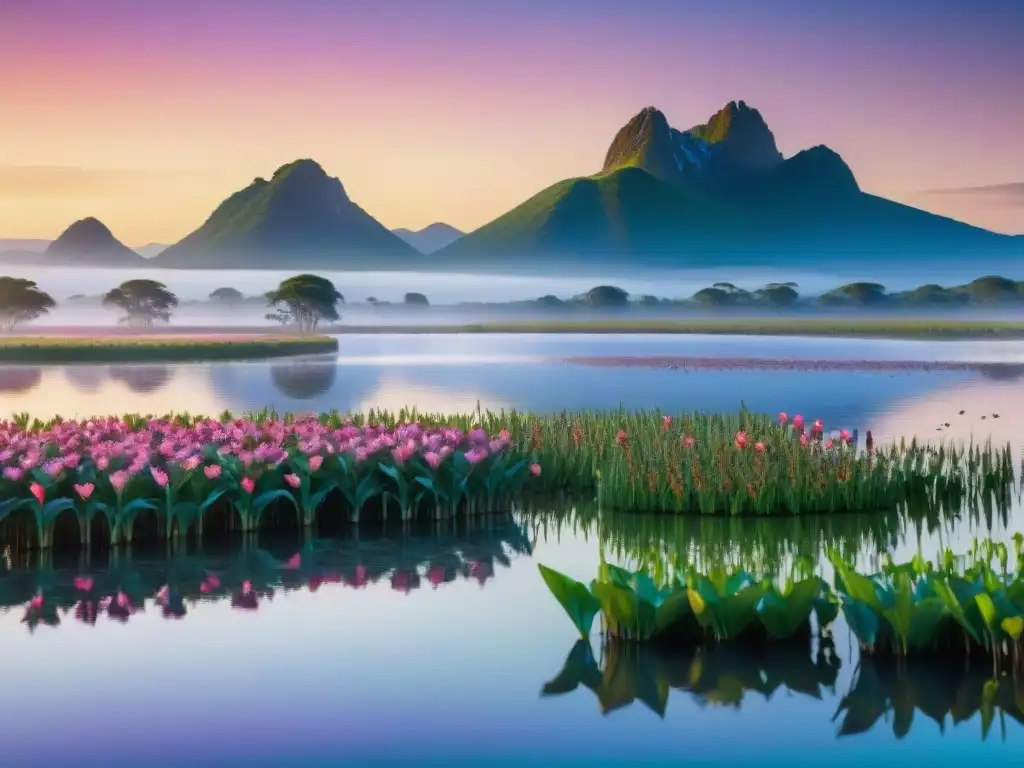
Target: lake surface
{"points": [[433, 646]]}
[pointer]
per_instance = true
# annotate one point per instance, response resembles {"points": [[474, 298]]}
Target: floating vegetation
{"points": [[969, 605], [125, 584], [716, 605], [185, 472], [718, 677]]}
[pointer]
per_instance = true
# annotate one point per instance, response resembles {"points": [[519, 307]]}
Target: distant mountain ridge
{"points": [[717, 193], [300, 218], [431, 238], [88, 242]]}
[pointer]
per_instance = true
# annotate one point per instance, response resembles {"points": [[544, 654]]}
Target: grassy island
{"points": [[894, 328], [158, 348]]}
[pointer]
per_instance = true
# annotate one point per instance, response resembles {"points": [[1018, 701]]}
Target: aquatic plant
{"points": [[966, 605], [180, 468], [715, 605]]}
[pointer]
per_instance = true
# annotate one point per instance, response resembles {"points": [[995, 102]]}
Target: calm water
{"points": [[448, 637]]}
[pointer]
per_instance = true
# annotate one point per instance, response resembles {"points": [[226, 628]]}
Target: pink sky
{"points": [[147, 115]]}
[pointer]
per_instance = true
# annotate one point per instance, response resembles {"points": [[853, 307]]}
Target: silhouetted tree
{"points": [[144, 302], [416, 299], [21, 301], [604, 296], [227, 296], [304, 301]]}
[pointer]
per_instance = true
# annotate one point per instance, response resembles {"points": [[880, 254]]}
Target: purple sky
{"points": [[146, 114]]}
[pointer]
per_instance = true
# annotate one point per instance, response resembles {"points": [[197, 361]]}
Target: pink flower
{"points": [[315, 462], [248, 484], [84, 490], [190, 463], [505, 436], [212, 471], [819, 425], [666, 423], [83, 583], [828, 444], [783, 418], [38, 491], [102, 462], [798, 422], [13, 473], [433, 460], [803, 441], [845, 436], [119, 480], [36, 601], [159, 476], [759, 447], [293, 480], [687, 441], [535, 470], [741, 440]]}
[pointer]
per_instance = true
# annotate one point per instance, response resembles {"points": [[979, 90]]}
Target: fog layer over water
{"points": [[450, 288]]}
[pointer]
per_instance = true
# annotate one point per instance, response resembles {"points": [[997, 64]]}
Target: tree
{"points": [[304, 301], [416, 299], [861, 294], [778, 295], [144, 302], [649, 301], [21, 301], [227, 296], [604, 296]]}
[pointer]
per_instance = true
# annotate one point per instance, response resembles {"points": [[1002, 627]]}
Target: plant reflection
{"points": [[896, 692], [249, 575], [720, 677]]}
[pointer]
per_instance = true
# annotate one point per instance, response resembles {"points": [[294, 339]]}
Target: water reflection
{"points": [[248, 574], [19, 379], [142, 379], [86, 378], [720, 677], [305, 379], [894, 693]]}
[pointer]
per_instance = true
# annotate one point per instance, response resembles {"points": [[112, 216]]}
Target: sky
{"points": [[148, 113]]}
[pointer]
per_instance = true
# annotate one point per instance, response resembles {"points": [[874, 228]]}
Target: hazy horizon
{"points": [[147, 134]]}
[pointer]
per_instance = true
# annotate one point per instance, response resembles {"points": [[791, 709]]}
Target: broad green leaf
{"points": [[54, 507], [988, 611], [924, 623], [580, 605], [625, 609], [863, 621], [826, 606], [956, 610], [673, 611], [260, 503]]}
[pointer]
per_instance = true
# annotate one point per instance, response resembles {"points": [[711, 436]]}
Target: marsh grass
{"points": [[120, 349]]}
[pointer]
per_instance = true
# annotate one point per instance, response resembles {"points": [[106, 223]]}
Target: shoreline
{"points": [[158, 348]]}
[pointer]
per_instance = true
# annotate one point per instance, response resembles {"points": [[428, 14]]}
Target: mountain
{"points": [[300, 219], [30, 245], [431, 238], [150, 250], [719, 192], [88, 242]]}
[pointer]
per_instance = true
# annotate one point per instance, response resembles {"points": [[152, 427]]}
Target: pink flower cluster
{"points": [[120, 450]]}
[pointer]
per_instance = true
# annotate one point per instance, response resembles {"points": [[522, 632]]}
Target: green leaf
{"points": [[863, 621], [673, 611], [625, 609], [261, 502], [826, 606], [928, 615], [54, 507], [574, 597], [1013, 626], [988, 611], [211, 499], [955, 609], [12, 505]]}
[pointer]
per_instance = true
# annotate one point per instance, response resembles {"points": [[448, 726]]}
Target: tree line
{"points": [[302, 302]]}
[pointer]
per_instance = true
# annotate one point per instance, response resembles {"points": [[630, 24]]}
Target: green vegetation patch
{"points": [[97, 349]]}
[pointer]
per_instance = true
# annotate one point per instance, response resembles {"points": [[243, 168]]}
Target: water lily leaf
{"points": [[956, 609], [580, 605], [928, 614]]}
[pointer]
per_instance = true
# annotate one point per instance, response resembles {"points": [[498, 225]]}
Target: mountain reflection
{"points": [[304, 380], [251, 575]]}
